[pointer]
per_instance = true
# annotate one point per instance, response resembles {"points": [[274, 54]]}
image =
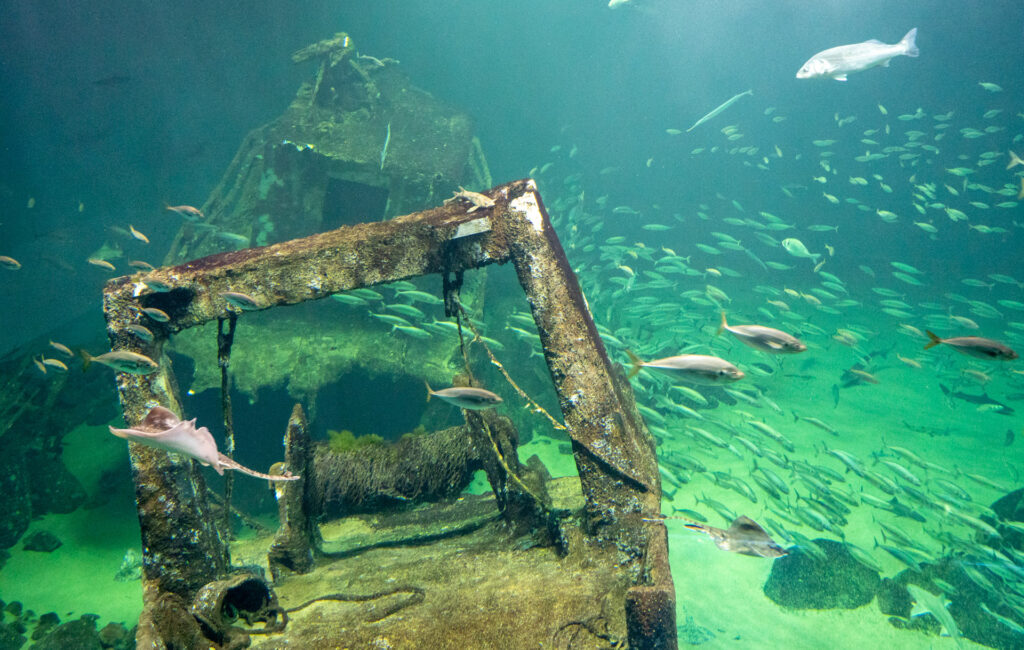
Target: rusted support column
{"points": [[225, 337], [651, 607], [181, 547], [613, 450], [298, 536]]}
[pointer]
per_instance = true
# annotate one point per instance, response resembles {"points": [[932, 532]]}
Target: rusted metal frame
{"points": [[182, 549], [613, 451]]}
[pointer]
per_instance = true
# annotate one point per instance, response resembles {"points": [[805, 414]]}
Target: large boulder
{"points": [[802, 581]]}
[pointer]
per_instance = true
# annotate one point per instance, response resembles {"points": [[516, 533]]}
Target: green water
{"points": [[900, 183]]}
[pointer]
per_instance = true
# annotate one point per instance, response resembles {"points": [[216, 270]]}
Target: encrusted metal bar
{"points": [[181, 547]]}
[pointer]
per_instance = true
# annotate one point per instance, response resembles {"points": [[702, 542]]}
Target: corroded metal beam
{"points": [[315, 267]]}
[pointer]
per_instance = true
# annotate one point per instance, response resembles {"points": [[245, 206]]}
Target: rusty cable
{"points": [[537, 408]]}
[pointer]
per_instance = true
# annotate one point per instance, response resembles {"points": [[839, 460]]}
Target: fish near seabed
{"points": [[766, 339], [926, 602], [744, 536], [837, 62], [974, 346]]}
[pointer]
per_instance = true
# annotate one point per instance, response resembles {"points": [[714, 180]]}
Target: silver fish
{"points": [[926, 602], [241, 301], [122, 361], [974, 346], [465, 397], [694, 368], [763, 338], [837, 62], [158, 315]]}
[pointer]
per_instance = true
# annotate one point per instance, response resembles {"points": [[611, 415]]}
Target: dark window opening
{"points": [[347, 203]]}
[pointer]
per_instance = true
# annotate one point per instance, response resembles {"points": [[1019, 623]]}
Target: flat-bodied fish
{"points": [[693, 368], [763, 338], [974, 346], [162, 429], [465, 397], [926, 602], [837, 62], [744, 536]]}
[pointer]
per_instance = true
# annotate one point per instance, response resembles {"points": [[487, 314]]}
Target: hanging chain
{"points": [[537, 408], [224, 342]]}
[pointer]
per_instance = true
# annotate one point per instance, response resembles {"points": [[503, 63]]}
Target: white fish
{"points": [[694, 368], [465, 397], [837, 62], [763, 338], [796, 248]]}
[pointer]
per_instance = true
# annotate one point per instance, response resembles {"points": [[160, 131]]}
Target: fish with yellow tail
{"points": [[692, 368], [766, 339], [974, 346]]}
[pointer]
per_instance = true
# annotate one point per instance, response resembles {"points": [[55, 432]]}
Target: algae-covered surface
{"points": [[449, 576]]}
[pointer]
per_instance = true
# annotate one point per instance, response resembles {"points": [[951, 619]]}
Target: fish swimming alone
{"points": [[974, 346], [186, 211], [241, 301], [693, 368], [162, 429], [766, 339], [729, 102], [837, 62], [465, 397]]}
